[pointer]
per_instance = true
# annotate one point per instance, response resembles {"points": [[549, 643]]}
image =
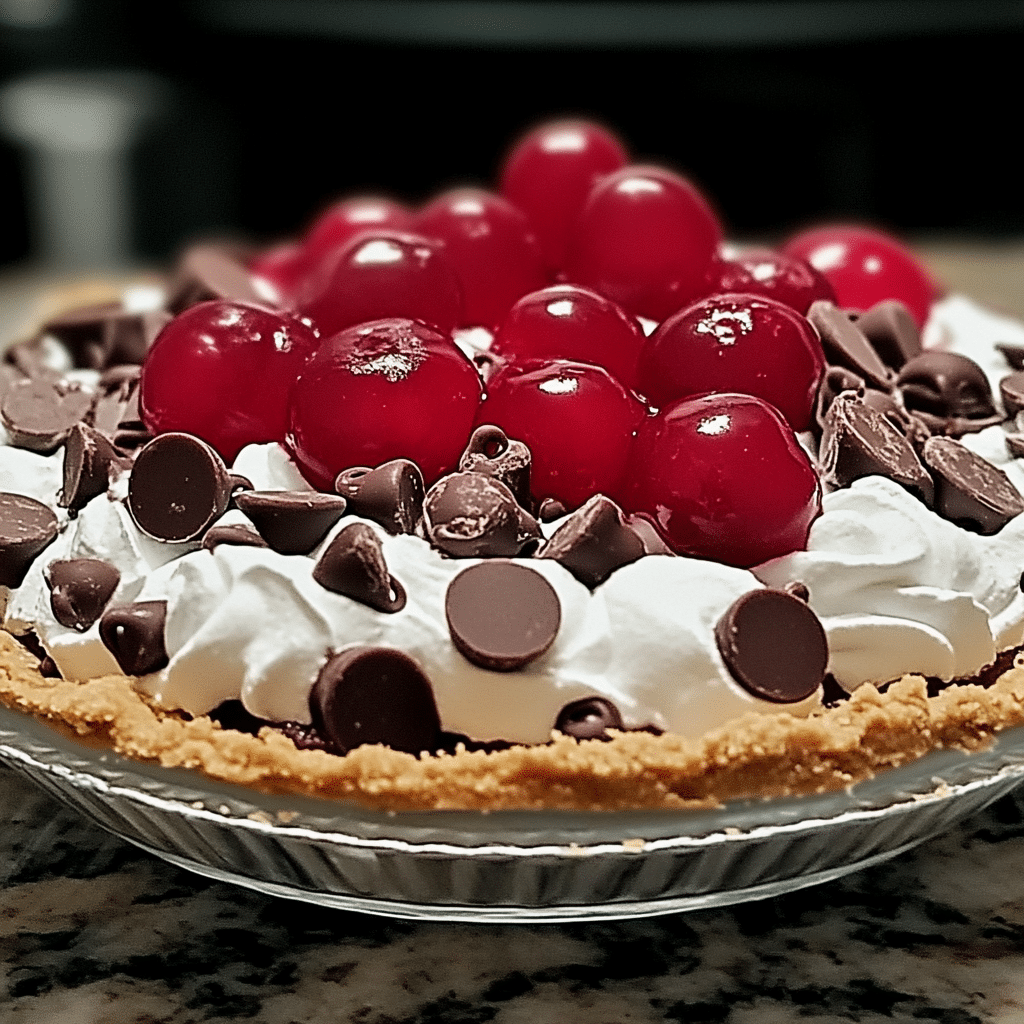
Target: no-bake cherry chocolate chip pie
{"points": [[536, 498]]}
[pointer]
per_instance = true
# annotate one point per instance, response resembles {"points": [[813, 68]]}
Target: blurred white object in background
{"points": [[77, 130]]}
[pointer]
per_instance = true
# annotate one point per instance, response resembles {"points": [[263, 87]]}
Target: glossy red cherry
{"points": [[644, 238], [383, 274], [771, 274], [281, 266], [865, 266], [740, 343], [492, 247], [343, 220], [549, 174], [723, 478], [378, 391], [577, 421], [223, 370], [566, 321]]}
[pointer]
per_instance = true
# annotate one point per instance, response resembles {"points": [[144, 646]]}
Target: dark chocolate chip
{"points": [[550, 510], [353, 564], [291, 522], [470, 515], [80, 589], [502, 615], [207, 272], [912, 428], [81, 332], [27, 526], [858, 442], [134, 635], [834, 382], [589, 719], [233, 714], [178, 487], [773, 645], [235, 534], [90, 461], [375, 695], [391, 494], [127, 337], [594, 541], [116, 404], [969, 490], [1011, 389], [490, 451], [949, 392], [892, 331], [39, 412], [1015, 445], [845, 344], [238, 484], [1014, 354], [798, 589]]}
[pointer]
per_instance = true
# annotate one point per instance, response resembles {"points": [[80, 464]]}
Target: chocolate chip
{"points": [[375, 695], [470, 515], [134, 635], [773, 645], [207, 272], [81, 332], [391, 495], [178, 487], [892, 331], [353, 564], [1015, 445], [27, 526], [1014, 354], [845, 344], [129, 336], [589, 719], [969, 490], [291, 522], [80, 589], [858, 442], [90, 461], [798, 590], [116, 405], [501, 615], [235, 534], [550, 510], [39, 412], [949, 392], [834, 382], [594, 541], [912, 428], [1011, 389], [490, 451], [653, 542]]}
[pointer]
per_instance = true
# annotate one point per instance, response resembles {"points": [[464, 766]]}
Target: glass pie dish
{"points": [[505, 866]]}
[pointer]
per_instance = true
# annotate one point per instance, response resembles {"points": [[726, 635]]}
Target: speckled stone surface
{"points": [[93, 930]]}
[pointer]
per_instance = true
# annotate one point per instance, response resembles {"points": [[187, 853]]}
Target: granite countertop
{"points": [[94, 930]]}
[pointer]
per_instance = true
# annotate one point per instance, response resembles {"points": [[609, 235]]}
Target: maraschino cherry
{"points": [[771, 274], [741, 343], [645, 238], [550, 172], [723, 478], [223, 371], [381, 274], [383, 390], [865, 266], [566, 321], [577, 421], [345, 219], [281, 266], [492, 247]]}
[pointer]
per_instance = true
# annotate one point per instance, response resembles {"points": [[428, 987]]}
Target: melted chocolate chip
{"points": [[353, 564], [589, 719], [594, 541], [39, 412], [27, 526], [949, 392], [470, 515], [178, 487], [207, 272], [291, 522], [892, 331], [490, 451], [969, 490], [391, 495], [845, 344], [858, 442], [80, 589], [375, 695], [773, 645], [90, 461], [134, 635], [501, 615], [1011, 389], [235, 534]]}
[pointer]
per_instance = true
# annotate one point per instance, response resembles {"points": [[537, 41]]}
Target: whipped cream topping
{"points": [[897, 588]]}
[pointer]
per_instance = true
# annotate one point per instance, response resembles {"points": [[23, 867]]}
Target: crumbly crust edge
{"points": [[753, 756]]}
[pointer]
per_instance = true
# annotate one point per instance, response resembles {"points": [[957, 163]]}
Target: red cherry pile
{"points": [[691, 427]]}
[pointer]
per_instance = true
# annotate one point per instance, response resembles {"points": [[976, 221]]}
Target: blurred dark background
{"points": [[905, 114]]}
